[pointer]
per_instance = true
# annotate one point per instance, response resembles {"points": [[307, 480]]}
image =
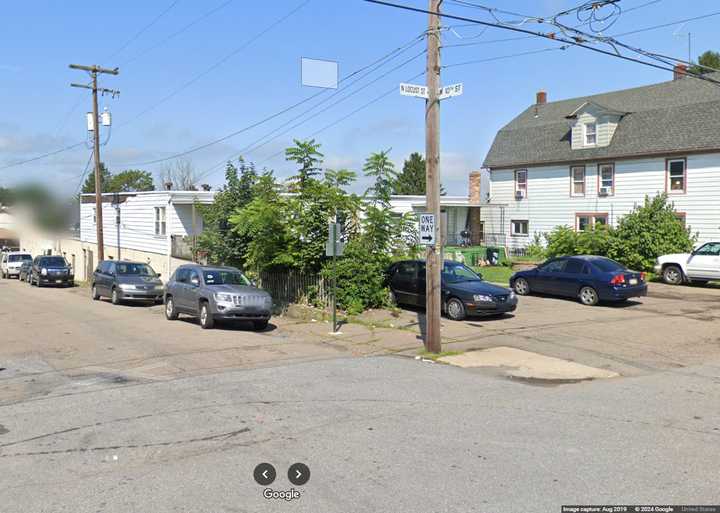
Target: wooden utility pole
{"points": [[94, 70], [433, 263]]}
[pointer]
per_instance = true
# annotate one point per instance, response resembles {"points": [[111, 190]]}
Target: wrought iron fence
{"points": [[287, 287]]}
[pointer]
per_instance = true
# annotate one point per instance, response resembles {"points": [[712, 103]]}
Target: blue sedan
{"points": [[590, 279]]}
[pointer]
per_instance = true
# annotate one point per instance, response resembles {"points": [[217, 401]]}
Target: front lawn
{"points": [[495, 274]]}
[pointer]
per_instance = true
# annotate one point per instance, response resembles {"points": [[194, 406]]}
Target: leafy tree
{"points": [[380, 167], [307, 155], [131, 180], [411, 180], [179, 175], [222, 244], [710, 59], [649, 231], [7, 196], [105, 177]]}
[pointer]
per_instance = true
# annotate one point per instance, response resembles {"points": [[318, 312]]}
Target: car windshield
{"points": [[606, 265], [53, 262], [19, 258], [220, 277], [455, 273], [134, 269]]}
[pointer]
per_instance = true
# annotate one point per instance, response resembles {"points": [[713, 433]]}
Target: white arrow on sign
{"points": [[298, 473]]}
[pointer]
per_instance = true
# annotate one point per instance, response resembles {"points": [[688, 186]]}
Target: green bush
{"points": [[360, 275], [649, 231]]}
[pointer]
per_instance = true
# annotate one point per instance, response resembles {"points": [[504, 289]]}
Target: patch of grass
{"points": [[495, 274], [435, 356]]}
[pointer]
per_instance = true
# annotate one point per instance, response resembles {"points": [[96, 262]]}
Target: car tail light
{"points": [[643, 276], [618, 279]]}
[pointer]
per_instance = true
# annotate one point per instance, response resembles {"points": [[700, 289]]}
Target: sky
{"points": [[192, 72]]}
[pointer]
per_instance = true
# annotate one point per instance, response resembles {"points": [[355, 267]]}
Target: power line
{"points": [[177, 32], [143, 30], [44, 155], [670, 24], [82, 176], [501, 57], [218, 63], [550, 36]]}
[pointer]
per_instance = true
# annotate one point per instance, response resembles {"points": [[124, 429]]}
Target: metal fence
{"points": [[287, 287]]}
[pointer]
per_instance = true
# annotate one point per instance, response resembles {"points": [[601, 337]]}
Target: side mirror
{"points": [[158, 275], [195, 282]]}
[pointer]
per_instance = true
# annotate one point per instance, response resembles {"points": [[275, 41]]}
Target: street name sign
{"points": [[450, 91], [420, 91], [427, 229]]}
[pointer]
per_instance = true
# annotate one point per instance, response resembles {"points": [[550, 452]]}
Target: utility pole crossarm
{"points": [[95, 69]]}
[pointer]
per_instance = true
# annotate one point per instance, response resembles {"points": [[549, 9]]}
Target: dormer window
{"points": [[590, 134]]}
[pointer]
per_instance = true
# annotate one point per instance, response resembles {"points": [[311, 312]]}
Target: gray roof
{"points": [[669, 117]]}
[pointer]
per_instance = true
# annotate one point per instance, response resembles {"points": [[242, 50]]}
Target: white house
{"points": [[8, 228], [588, 161]]}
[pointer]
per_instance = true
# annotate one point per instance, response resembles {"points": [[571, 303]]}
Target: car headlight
{"points": [[480, 298], [159, 286], [43, 271], [126, 286], [225, 298], [512, 295]]}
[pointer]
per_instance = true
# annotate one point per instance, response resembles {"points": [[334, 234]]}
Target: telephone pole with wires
{"points": [[95, 127], [433, 254]]}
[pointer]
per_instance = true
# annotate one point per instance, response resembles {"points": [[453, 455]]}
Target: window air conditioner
{"points": [[604, 191], [519, 195]]}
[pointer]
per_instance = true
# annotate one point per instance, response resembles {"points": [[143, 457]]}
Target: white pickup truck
{"points": [[11, 262], [700, 266]]}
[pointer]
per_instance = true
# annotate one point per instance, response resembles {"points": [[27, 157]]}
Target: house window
{"points": [[590, 134], [160, 223], [590, 221], [521, 182], [606, 179], [677, 176], [577, 177], [94, 215], [519, 228]]}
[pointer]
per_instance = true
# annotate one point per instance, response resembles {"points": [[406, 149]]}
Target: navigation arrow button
{"points": [[298, 474]]}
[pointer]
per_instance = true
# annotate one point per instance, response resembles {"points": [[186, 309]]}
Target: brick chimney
{"points": [[679, 71], [541, 98], [474, 187]]}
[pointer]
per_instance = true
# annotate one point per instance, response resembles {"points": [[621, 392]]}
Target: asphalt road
{"points": [[387, 433]]}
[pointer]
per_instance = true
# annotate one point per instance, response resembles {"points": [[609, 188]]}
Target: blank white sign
{"points": [[319, 73]]}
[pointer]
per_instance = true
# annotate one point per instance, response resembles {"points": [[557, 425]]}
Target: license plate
{"points": [[633, 281], [58, 281]]}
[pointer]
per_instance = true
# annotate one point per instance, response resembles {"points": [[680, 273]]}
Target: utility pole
{"points": [[94, 70], [433, 263]]}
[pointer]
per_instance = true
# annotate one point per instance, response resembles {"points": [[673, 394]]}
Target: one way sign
{"points": [[427, 229]]}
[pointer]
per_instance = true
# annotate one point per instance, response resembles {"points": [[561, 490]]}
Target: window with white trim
{"points": [[590, 134], [577, 178], [519, 228], [677, 176], [607, 178], [160, 222], [521, 181], [585, 222]]}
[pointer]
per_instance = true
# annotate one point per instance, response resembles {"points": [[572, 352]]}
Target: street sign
{"points": [[334, 233], [427, 229], [450, 91], [418, 91]]}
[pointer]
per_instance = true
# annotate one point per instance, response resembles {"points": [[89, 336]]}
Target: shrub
{"points": [[562, 240], [535, 249]]}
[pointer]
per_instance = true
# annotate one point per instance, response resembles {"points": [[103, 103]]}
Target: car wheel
{"points": [[94, 293], [521, 287], [206, 320], [455, 309], [672, 275], [260, 325], [170, 312], [589, 296], [115, 297]]}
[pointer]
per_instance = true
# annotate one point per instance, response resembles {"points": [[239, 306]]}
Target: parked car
{"points": [[123, 280], [463, 291], [25, 271], [590, 279], [700, 266], [11, 262], [216, 294], [51, 270]]}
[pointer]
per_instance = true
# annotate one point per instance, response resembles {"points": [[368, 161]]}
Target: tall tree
{"points": [[105, 176], [307, 155], [411, 181], [180, 175], [379, 167], [131, 180], [709, 59]]}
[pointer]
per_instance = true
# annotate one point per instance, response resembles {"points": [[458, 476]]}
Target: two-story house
{"points": [[588, 161]]}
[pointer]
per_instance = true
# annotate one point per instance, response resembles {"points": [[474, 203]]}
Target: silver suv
{"points": [[215, 294]]}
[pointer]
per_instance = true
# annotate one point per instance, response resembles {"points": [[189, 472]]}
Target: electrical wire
{"points": [[551, 36], [44, 155], [82, 176], [501, 57], [217, 64], [143, 30]]}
